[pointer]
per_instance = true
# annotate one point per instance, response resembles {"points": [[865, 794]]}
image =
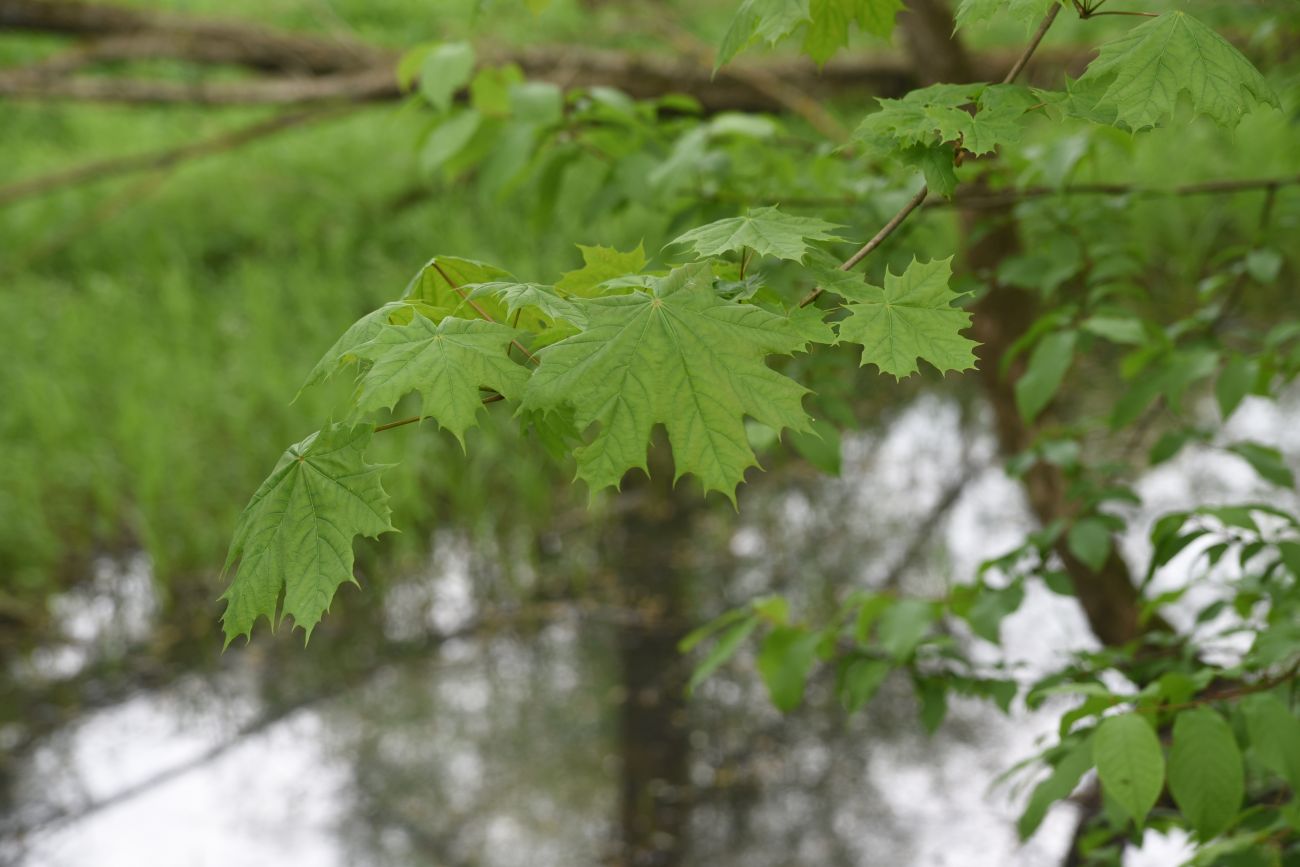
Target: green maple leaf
{"points": [[938, 114], [343, 352], [294, 538], [447, 363], [917, 117], [1147, 69], [521, 297], [911, 317], [1026, 11], [599, 265], [441, 283], [677, 355], [828, 31], [766, 20], [766, 231], [344, 349]]}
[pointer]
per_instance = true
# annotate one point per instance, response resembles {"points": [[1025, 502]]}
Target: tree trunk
{"points": [[650, 546]]}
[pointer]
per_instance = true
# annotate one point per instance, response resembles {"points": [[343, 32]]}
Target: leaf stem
{"points": [[464, 296], [380, 428], [1119, 12], [866, 249], [1014, 72]]}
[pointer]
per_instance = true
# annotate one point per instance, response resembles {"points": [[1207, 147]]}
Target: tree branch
{"points": [[1001, 199], [315, 68], [160, 159], [191, 38], [916, 200]]}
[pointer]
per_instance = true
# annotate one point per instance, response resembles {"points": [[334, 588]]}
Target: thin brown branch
{"points": [[316, 67], [368, 85], [191, 37], [1014, 72], [380, 428], [1235, 691], [1213, 187], [160, 159], [1003, 198], [478, 308], [917, 200]]}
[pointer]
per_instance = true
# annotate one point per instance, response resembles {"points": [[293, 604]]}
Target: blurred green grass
{"points": [[153, 350]]}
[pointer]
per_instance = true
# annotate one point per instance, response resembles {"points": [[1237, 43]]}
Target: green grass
{"points": [[153, 352]]}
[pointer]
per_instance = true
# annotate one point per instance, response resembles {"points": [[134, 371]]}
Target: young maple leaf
{"points": [[677, 355], [520, 297], [766, 231], [974, 11], [828, 31], [295, 536], [1146, 70], [598, 265], [768, 20], [446, 363], [911, 317]]}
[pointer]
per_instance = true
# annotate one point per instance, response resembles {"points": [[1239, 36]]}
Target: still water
{"points": [[498, 747]]}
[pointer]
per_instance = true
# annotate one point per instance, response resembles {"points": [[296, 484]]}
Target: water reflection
{"points": [[476, 728]]}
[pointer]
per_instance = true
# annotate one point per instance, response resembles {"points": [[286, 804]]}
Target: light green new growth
{"points": [[447, 363], [766, 231], [294, 538], [828, 31], [825, 24], [1146, 70], [939, 114], [599, 264], [766, 20], [522, 297], [681, 356], [911, 317], [441, 283], [344, 349], [976, 11]]}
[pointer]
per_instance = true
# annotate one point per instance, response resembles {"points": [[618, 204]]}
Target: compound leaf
{"points": [[677, 355], [1129, 763], [1206, 776], [911, 317], [1046, 371], [294, 538], [1073, 762], [785, 659], [1274, 736]]}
